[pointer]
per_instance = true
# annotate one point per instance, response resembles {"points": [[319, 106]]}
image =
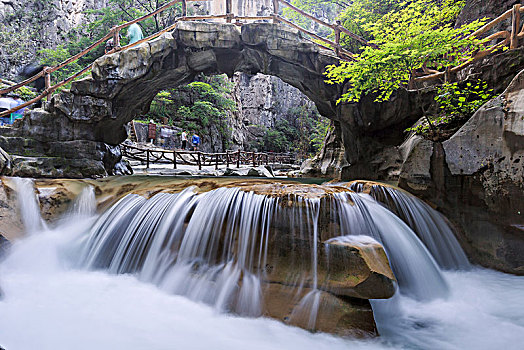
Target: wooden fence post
{"points": [[47, 82], [199, 161], [515, 27], [276, 8], [253, 158], [174, 159], [447, 75], [216, 161], [147, 159], [337, 38], [228, 11], [227, 159], [184, 8], [238, 159], [116, 39]]}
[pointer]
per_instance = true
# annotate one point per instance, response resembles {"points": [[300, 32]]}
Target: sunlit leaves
{"points": [[415, 34]]}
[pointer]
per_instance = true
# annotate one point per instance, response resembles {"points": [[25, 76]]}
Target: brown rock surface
{"points": [[10, 224], [336, 315]]}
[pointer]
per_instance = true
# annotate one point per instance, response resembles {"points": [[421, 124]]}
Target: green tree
{"points": [[202, 106], [52, 57], [419, 34]]}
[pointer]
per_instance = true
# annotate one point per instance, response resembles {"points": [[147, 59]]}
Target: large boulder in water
{"points": [[357, 269], [334, 314]]}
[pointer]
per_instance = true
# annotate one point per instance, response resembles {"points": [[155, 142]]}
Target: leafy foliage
{"points": [[52, 58], [202, 106], [456, 103], [302, 131], [25, 93], [415, 34]]}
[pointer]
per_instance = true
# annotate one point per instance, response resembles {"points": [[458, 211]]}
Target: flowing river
{"points": [[115, 281]]}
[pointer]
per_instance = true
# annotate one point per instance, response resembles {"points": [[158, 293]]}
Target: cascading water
{"points": [[429, 225], [85, 203], [219, 248], [213, 247], [28, 206], [416, 270]]}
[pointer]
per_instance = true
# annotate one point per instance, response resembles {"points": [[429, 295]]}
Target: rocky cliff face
{"points": [[242, 7], [261, 101], [475, 9], [477, 179], [30, 25]]}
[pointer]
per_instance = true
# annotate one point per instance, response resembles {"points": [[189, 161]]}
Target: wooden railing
{"points": [[511, 40], [229, 18], [201, 159]]}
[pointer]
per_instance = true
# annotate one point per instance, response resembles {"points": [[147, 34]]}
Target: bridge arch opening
{"points": [[255, 113], [124, 84], [78, 130]]}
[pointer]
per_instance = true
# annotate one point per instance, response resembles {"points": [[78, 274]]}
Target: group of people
{"points": [[167, 133], [195, 141]]}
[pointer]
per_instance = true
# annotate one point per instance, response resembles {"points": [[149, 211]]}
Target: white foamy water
{"points": [[48, 305], [28, 205]]}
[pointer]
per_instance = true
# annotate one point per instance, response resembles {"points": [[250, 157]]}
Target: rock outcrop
{"points": [[10, 223], [476, 178], [331, 159], [5, 163]]}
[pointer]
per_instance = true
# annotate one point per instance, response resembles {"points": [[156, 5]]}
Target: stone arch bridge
{"points": [[78, 132]]}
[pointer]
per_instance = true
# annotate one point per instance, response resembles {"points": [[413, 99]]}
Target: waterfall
{"points": [[233, 249], [429, 225], [417, 272], [85, 203], [28, 206], [213, 247]]}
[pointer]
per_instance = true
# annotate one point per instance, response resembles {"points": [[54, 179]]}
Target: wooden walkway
{"points": [[201, 159]]}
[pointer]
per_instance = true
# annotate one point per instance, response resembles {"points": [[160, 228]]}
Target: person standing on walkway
{"points": [[134, 33], [195, 140], [151, 131], [184, 140]]}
